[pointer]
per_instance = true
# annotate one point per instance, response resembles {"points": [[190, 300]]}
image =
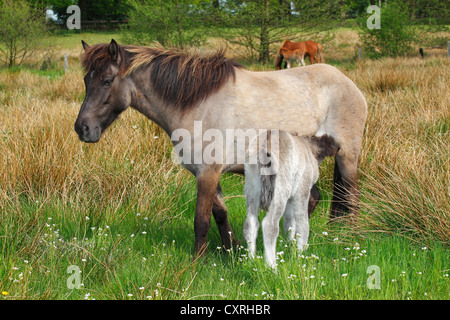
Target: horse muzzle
{"points": [[87, 133]]}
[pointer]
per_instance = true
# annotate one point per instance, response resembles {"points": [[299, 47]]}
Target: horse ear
{"points": [[114, 50], [85, 45]]}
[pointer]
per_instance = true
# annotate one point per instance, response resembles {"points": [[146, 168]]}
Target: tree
{"points": [[394, 38], [258, 24], [172, 23], [21, 27]]}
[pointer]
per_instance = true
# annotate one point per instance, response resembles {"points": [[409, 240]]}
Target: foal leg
{"points": [[301, 220], [220, 215], [206, 190], [289, 220], [271, 229], [252, 190]]}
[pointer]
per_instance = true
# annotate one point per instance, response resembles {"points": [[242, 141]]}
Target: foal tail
{"points": [[278, 60], [267, 164]]}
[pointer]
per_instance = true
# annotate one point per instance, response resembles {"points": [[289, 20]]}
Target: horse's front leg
{"points": [[221, 216], [207, 182]]}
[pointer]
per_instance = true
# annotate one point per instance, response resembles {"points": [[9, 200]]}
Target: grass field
{"points": [[114, 220]]}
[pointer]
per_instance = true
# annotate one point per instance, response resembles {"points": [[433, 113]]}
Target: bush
{"points": [[394, 38], [21, 27]]}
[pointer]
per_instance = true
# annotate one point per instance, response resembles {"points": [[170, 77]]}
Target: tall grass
{"points": [[405, 161]]}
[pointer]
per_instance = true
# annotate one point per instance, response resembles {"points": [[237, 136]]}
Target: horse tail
{"points": [[278, 59]]}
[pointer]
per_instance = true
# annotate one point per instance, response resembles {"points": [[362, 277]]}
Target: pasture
{"points": [[114, 220]]}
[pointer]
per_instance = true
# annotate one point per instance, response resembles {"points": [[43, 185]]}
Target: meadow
{"points": [[114, 220]]}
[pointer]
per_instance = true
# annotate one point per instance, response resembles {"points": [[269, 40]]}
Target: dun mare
{"points": [[177, 90], [297, 51]]}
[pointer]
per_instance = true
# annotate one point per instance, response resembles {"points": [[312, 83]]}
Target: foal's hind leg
{"points": [[220, 215], [271, 228]]}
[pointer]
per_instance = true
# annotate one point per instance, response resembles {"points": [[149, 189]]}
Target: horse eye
{"points": [[107, 82]]}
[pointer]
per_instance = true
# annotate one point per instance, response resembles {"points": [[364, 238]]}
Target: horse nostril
{"points": [[85, 129]]}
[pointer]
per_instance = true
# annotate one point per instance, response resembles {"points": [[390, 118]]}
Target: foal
{"points": [[295, 169]]}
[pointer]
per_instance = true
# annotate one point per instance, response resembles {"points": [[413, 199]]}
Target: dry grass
{"points": [[42, 159], [405, 159]]}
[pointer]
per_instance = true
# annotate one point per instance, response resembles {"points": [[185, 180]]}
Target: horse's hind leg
{"points": [[346, 191], [221, 216], [271, 228]]}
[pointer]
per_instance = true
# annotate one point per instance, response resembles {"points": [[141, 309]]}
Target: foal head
{"points": [[107, 94]]}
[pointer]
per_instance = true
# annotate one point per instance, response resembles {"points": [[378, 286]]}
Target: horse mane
{"points": [[179, 78]]}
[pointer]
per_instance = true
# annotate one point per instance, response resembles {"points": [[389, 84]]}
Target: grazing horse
{"points": [[292, 55], [203, 96], [285, 191], [302, 49]]}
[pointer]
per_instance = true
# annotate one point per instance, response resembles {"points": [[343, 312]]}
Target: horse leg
{"points": [[220, 215], [271, 228], [314, 199], [302, 59], [346, 191], [253, 195], [311, 58], [206, 191]]}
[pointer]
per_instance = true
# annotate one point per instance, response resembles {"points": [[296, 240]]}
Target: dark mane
{"points": [[180, 78], [97, 57]]}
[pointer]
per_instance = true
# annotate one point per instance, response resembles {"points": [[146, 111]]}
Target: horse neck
{"points": [[145, 100]]}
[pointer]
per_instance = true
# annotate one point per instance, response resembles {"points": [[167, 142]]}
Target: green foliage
{"points": [[21, 27], [263, 23], [394, 38], [105, 10], [173, 23]]}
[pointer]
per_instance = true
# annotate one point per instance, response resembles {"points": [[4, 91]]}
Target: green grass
{"points": [[143, 257]]}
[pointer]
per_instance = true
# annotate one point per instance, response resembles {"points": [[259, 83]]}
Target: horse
{"points": [[305, 48], [285, 191], [292, 55], [205, 95]]}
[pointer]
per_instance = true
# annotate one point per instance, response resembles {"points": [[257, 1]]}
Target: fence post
{"points": [[66, 63], [359, 53], [448, 49]]}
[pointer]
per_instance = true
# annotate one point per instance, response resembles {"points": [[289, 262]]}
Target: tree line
{"points": [[253, 25]]}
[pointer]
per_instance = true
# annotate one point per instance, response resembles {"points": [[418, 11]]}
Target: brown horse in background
{"points": [[297, 51]]}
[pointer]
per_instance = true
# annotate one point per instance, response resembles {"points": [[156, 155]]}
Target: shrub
{"points": [[21, 27], [394, 38]]}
